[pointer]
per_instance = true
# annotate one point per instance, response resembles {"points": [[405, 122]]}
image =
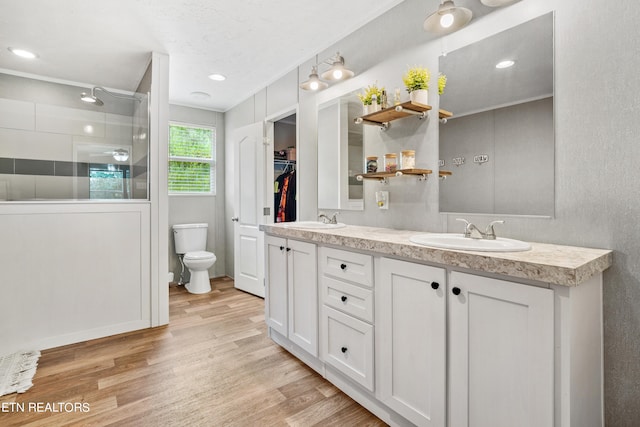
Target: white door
{"points": [[249, 202]]}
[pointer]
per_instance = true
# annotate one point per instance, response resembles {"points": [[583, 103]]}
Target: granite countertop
{"points": [[556, 264]]}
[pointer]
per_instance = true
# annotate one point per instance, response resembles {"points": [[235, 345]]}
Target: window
{"points": [[191, 159]]}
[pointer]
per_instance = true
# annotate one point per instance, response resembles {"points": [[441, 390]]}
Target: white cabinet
{"points": [[501, 360], [347, 314], [411, 340], [292, 291]]}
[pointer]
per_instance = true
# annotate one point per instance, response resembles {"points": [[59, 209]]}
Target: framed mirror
{"points": [[340, 154], [500, 144]]}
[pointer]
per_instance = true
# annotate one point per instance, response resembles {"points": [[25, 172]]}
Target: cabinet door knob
{"points": [[456, 290], [435, 285], [343, 349], [281, 248], [343, 266], [288, 249], [343, 298]]}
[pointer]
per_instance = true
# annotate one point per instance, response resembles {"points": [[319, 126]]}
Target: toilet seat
{"points": [[199, 256]]}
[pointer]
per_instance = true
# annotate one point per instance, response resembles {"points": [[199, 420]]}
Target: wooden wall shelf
{"points": [[382, 176], [383, 117]]}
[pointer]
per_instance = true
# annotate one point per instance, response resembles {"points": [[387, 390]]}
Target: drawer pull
{"points": [[343, 266], [343, 349], [456, 290], [343, 298], [435, 285]]}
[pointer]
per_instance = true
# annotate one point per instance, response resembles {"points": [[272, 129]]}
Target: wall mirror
{"points": [[500, 144], [340, 154]]}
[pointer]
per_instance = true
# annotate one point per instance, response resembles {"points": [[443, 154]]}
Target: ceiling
{"points": [[251, 42], [108, 43]]}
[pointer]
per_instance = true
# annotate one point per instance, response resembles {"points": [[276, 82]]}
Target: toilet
{"points": [[191, 242]]}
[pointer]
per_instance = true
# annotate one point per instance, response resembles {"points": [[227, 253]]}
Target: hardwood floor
{"points": [[213, 365]]}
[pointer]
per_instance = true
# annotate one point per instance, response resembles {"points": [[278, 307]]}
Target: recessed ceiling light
{"points": [[22, 53], [201, 96], [505, 64], [217, 77]]}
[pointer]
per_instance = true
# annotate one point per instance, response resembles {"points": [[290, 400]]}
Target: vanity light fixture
{"points": [[447, 19], [120, 155], [336, 72], [23, 53], [505, 64], [314, 83]]}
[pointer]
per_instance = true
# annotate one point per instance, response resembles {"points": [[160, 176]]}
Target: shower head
{"points": [[93, 99]]}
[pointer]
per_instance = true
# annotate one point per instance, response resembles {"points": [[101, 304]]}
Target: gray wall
{"points": [[201, 209], [596, 121], [518, 178]]}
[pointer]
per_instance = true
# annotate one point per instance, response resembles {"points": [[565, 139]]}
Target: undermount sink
{"points": [[314, 224], [459, 242]]}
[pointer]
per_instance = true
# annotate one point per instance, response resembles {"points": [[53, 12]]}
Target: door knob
{"points": [[456, 290], [435, 285], [234, 218], [343, 349], [343, 298], [343, 266]]}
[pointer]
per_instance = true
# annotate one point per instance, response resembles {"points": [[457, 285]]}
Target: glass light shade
{"points": [[337, 71], [314, 82], [434, 22], [121, 155]]}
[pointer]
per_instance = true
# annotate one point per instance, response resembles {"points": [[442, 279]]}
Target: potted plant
{"points": [[442, 82], [416, 80], [367, 98]]}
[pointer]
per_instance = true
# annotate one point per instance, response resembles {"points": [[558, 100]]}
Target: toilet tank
{"points": [[190, 237]]}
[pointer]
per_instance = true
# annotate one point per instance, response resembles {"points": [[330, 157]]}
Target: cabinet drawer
{"points": [[345, 265], [348, 298], [348, 346]]}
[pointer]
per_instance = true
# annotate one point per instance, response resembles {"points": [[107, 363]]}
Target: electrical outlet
{"points": [[480, 158], [458, 161], [440, 162]]}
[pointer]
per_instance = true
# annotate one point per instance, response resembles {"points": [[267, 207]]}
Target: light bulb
{"points": [[314, 85], [446, 20], [337, 74]]}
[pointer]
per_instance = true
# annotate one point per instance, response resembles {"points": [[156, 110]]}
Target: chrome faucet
{"points": [[472, 232], [327, 220]]}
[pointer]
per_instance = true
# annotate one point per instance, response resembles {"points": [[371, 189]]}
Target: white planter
{"points": [[420, 96]]}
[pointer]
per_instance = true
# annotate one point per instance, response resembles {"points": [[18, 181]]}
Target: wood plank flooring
{"points": [[213, 365]]}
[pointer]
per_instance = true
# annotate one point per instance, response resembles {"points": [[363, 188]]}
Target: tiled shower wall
{"points": [[46, 150]]}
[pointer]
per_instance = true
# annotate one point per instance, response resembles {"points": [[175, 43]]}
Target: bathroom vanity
{"points": [[436, 337]]}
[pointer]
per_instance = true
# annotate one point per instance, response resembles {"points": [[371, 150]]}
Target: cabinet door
{"points": [[276, 289], [303, 295], [501, 353], [411, 340]]}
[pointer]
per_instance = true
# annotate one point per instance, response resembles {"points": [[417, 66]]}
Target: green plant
{"points": [[442, 82], [416, 78], [369, 91]]}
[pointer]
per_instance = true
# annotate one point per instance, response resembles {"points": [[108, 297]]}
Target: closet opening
{"points": [[285, 170]]}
